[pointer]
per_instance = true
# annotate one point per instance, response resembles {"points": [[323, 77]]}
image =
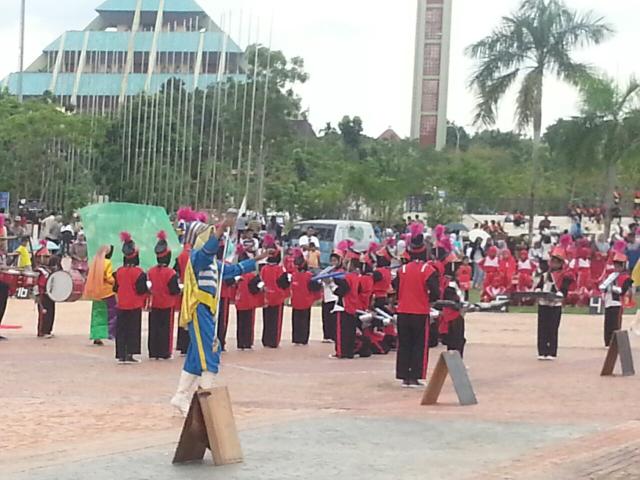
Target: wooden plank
{"points": [[460, 378], [625, 354], [220, 425], [434, 387], [610, 359], [193, 441]]}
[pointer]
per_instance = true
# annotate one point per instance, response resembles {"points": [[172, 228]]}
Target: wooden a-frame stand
{"points": [[450, 363], [210, 425], [620, 346]]}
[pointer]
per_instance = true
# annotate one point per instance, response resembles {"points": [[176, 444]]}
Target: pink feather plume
{"points": [[186, 214], [43, 243], [439, 231], [297, 252], [201, 217], [125, 237], [620, 246], [390, 242], [445, 244], [162, 235], [416, 229], [373, 248], [565, 240], [345, 245], [268, 241]]}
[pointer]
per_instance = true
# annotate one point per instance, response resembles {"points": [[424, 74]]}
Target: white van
{"points": [[332, 232]]}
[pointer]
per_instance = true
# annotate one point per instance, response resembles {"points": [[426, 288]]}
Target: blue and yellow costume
{"points": [[202, 279]]}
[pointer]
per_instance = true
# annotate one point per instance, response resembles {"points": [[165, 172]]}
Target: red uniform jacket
{"points": [[414, 296], [228, 290], [131, 287], [382, 282], [164, 287], [366, 291], [303, 293], [274, 294], [349, 290], [248, 296]]}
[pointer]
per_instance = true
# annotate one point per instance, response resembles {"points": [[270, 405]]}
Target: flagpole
{"points": [[22, 21]]}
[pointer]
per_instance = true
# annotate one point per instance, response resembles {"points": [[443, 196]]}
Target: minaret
{"points": [[431, 73]]}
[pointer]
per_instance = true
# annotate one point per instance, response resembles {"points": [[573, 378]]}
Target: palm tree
{"points": [[536, 40], [609, 112]]}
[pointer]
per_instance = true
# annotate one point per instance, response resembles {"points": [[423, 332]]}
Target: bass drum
{"points": [[65, 286]]}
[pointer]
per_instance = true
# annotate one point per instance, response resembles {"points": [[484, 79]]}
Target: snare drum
{"points": [[12, 279], [65, 286], [29, 279]]}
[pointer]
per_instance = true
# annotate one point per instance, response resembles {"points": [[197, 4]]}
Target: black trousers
{"points": [[612, 322], [413, 346], [328, 321], [345, 335], [129, 333], [4, 297], [245, 328], [548, 325], [455, 336], [46, 316], [223, 322], [300, 326], [159, 342], [272, 326]]}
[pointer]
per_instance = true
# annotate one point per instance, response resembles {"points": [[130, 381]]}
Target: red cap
{"points": [[559, 253]]}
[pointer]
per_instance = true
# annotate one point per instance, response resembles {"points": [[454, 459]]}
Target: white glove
{"points": [[290, 277], [617, 290], [261, 285], [149, 285], [560, 295], [238, 278]]}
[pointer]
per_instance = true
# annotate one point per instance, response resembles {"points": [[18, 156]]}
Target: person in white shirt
{"points": [[307, 238]]}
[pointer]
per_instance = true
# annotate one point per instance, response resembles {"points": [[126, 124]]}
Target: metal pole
{"points": [[22, 17]]}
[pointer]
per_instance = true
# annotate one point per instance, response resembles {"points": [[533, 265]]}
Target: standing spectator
{"points": [[66, 235], [308, 238], [377, 230], [79, 255], [249, 243], [476, 254], [45, 226], [274, 229], [545, 223], [313, 256], [241, 224], [54, 233]]}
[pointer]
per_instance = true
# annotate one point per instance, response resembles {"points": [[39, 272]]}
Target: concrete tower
{"points": [[431, 74]]}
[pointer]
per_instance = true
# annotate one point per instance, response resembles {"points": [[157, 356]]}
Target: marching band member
{"points": [[348, 292], [382, 278], [555, 282], [490, 265], [526, 270], [131, 289], [329, 298], [165, 290], [304, 293], [181, 267], [613, 289], [276, 289], [249, 296], [227, 297], [417, 285], [452, 320], [45, 266]]}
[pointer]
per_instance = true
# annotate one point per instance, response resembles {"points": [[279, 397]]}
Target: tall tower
{"points": [[431, 73]]}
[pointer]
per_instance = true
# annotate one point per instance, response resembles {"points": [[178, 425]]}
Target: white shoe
{"points": [[182, 399], [551, 358], [542, 357]]}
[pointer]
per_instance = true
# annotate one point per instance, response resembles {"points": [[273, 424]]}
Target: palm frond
{"points": [[632, 90], [489, 94], [528, 103]]}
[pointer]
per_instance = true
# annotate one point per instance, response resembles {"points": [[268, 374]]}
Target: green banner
{"points": [[103, 223]]}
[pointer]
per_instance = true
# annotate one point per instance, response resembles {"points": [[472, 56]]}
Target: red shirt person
{"points": [[304, 293]]}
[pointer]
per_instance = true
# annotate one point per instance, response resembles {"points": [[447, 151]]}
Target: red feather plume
{"points": [[162, 235], [201, 217], [186, 214], [125, 237], [268, 241], [297, 252], [373, 248], [345, 245], [43, 243]]}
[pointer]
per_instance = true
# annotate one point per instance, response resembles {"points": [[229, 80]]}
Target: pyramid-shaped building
{"points": [[132, 47]]}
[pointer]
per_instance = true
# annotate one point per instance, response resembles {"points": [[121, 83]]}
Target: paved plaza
{"points": [[70, 412]]}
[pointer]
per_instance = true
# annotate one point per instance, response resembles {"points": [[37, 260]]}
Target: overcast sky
{"points": [[359, 52]]}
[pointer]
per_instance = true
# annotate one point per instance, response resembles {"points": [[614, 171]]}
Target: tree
{"points": [[610, 111], [536, 40]]}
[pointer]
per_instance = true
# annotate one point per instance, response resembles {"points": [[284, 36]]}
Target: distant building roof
{"points": [[302, 128], [390, 135], [182, 6]]}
